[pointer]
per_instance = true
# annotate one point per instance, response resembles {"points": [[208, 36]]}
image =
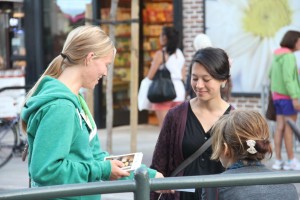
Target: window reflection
{"points": [[60, 17]]}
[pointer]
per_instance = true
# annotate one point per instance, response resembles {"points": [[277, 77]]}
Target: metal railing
{"points": [[142, 185]]}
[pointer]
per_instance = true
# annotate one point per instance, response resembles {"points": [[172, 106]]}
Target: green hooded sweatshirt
{"points": [[60, 151], [284, 75]]}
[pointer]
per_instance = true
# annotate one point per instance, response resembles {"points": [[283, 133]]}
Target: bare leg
{"points": [[278, 136], [288, 137], [161, 116]]}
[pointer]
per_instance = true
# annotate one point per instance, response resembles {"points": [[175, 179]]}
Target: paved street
{"points": [[14, 174]]}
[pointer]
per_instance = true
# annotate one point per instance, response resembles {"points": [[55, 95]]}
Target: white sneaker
{"points": [[278, 165], [292, 165]]}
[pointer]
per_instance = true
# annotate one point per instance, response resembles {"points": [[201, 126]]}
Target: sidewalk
{"points": [[14, 174]]}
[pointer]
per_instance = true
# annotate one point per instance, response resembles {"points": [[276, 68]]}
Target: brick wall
{"points": [[193, 23], [251, 103]]}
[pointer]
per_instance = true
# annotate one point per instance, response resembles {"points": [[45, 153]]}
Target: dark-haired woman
{"points": [[174, 61], [187, 126], [285, 87]]}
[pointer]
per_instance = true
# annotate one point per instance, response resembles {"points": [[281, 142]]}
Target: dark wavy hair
{"points": [[172, 39], [215, 61]]}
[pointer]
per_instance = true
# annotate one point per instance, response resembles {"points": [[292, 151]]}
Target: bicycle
{"points": [[12, 141]]}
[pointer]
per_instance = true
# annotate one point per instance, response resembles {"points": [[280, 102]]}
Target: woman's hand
{"points": [[160, 175], [116, 171]]}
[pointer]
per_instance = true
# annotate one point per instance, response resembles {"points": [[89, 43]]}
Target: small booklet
{"points": [[131, 161]]}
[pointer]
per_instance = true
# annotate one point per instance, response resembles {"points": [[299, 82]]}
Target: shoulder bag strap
{"points": [[164, 60], [192, 157]]}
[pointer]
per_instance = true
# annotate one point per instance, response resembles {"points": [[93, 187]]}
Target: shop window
{"points": [[60, 17], [122, 65], [12, 52], [156, 14], [12, 49]]}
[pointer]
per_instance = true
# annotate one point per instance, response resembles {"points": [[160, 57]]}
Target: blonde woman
{"points": [[241, 140], [64, 147]]}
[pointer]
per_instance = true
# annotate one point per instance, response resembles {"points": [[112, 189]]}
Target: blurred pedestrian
{"points": [[174, 62], [64, 147], [241, 140], [187, 126], [285, 87]]}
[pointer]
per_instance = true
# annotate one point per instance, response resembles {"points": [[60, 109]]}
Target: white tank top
{"points": [[174, 64]]}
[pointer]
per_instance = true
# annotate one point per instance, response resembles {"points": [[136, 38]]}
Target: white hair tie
{"points": [[251, 144]]}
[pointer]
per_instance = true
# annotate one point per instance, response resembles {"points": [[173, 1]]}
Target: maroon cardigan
{"points": [[168, 155], [168, 150]]}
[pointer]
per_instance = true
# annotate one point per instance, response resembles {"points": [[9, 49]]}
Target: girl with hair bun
{"points": [[241, 140]]}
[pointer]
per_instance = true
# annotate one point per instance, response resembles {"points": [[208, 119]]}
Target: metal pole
{"points": [[134, 74], [142, 191]]}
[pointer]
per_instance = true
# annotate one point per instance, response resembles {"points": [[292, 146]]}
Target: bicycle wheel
{"points": [[8, 140]]}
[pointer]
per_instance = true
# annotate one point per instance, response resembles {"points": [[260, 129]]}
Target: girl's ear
{"points": [[228, 159], [88, 58], [226, 150]]}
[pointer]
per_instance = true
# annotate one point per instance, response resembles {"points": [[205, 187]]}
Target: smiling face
{"points": [[203, 84], [95, 69]]}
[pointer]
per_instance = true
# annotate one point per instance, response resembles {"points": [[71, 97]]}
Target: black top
{"points": [[202, 165]]}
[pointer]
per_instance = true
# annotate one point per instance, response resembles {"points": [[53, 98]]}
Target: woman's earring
{"points": [[223, 85]]}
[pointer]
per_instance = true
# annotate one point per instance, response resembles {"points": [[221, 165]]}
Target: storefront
{"points": [[12, 56], [47, 23], [12, 48]]}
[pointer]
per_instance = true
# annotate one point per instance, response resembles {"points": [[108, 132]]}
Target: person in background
{"points": [[187, 126], [169, 40], [64, 147], [202, 41], [285, 88], [240, 141]]}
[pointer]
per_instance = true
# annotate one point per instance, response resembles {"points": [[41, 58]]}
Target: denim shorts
{"points": [[284, 107]]}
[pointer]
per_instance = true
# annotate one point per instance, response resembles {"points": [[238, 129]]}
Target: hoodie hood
{"points": [[49, 89], [281, 53], [282, 50]]}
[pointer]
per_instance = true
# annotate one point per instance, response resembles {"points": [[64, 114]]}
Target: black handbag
{"points": [[271, 111], [161, 88]]}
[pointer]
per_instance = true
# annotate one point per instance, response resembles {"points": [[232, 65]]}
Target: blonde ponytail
{"points": [[80, 41]]}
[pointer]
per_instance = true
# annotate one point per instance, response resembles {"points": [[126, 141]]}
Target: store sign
{"points": [[250, 31]]}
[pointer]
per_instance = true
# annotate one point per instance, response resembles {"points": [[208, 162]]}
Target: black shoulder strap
{"points": [[192, 157], [164, 60]]}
